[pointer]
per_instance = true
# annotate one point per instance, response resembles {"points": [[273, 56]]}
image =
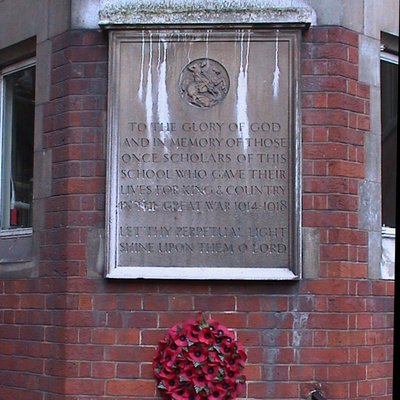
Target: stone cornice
{"points": [[165, 12]]}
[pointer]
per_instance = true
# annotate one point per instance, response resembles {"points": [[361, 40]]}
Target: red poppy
{"points": [[199, 380], [212, 323], [192, 332], [171, 384], [233, 363], [210, 371], [231, 375], [165, 373], [226, 348], [179, 335], [188, 394], [169, 357], [223, 331], [226, 385], [188, 372], [182, 393], [191, 322], [172, 346], [239, 386], [217, 392], [206, 336], [165, 340], [238, 350], [198, 354], [215, 357]]}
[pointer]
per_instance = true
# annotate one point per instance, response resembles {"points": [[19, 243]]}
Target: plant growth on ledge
{"points": [[199, 360]]}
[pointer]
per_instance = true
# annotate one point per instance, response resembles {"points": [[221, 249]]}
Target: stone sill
{"points": [[16, 245], [160, 12]]}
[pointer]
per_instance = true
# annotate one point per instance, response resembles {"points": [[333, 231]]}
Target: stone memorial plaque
{"points": [[203, 154]]}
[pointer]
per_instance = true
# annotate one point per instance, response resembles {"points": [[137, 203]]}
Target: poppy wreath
{"points": [[199, 360]]}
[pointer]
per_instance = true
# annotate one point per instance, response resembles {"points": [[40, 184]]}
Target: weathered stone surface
{"points": [[203, 177], [204, 11]]}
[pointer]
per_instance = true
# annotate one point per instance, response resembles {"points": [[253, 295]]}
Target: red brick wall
{"points": [[335, 119], [65, 335]]}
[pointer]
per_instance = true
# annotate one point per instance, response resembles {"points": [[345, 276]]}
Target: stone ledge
{"points": [[160, 12]]}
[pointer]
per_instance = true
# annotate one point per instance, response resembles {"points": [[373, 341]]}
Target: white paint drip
{"points": [[275, 81], [189, 42], [162, 101], [299, 323], [270, 366], [242, 118], [149, 88], [140, 91], [207, 41]]}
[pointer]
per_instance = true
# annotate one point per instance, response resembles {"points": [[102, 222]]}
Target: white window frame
{"points": [[28, 63], [389, 57]]}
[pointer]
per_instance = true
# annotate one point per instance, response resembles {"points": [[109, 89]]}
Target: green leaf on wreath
{"points": [[197, 364], [198, 389], [219, 377], [216, 347], [161, 385], [202, 323]]}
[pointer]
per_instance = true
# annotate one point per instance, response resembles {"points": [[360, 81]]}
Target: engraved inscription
{"points": [[203, 179], [204, 83]]}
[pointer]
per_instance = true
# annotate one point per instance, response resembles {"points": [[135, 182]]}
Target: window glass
{"points": [[18, 110], [389, 99]]}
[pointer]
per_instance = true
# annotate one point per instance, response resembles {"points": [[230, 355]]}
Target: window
{"points": [[389, 101], [389, 80], [17, 88], [389, 115]]}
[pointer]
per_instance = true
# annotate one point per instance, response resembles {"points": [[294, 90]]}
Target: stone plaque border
{"points": [[292, 271]]}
